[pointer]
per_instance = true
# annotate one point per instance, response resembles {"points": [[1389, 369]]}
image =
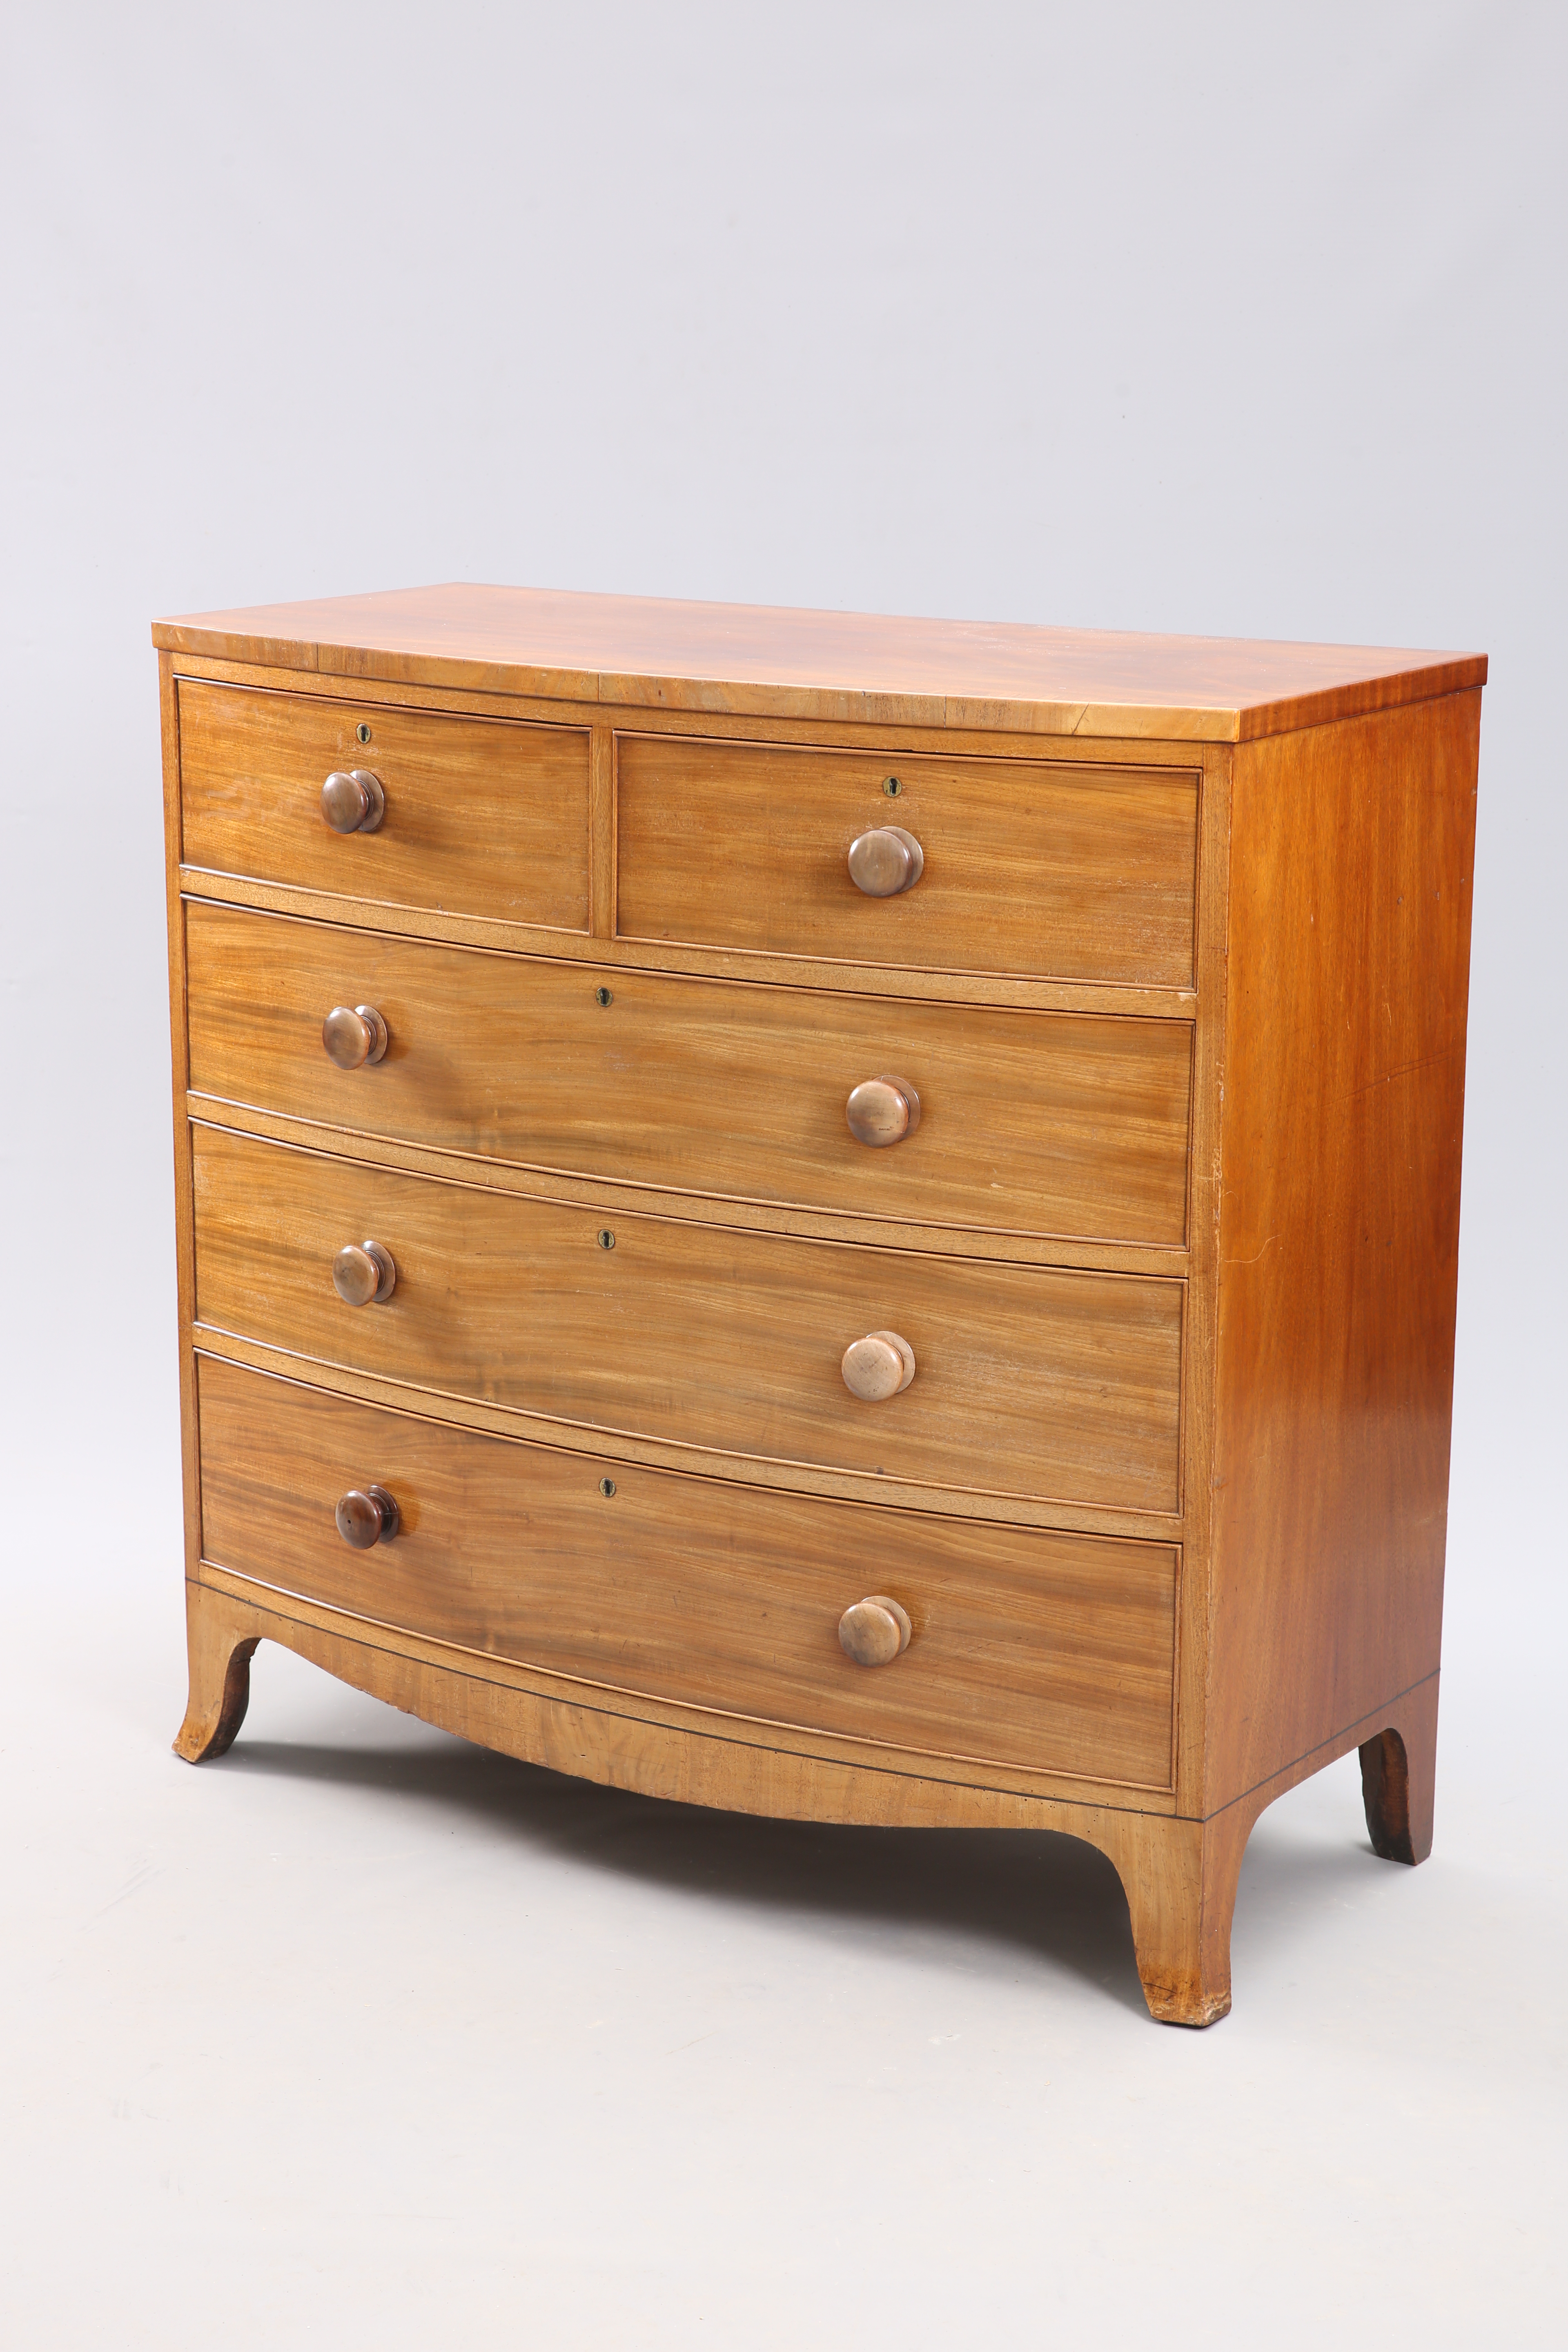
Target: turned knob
{"points": [[352, 801], [366, 1515], [880, 1365], [363, 1273], [883, 1111], [885, 861], [352, 1034], [875, 1632]]}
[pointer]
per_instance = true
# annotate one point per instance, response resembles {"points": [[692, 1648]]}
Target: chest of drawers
{"points": [[839, 1218]]}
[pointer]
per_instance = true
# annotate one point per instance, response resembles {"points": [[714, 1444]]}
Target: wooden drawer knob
{"points": [[885, 861], [883, 1111], [363, 1273], [875, 1632], [352, 801], [353, 1035], [880, 1365], [366, 1515]]}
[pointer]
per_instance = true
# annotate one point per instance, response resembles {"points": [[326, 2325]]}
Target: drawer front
{"points": [[1053, 1652], [1045, 870], [485, 817], [1031, 1381], [1042, 1123]]}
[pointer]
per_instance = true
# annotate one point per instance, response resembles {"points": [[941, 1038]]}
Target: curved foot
{"points": [[220, 1655], [1398, 1770], [1181, 1875], [1180, 1879]]}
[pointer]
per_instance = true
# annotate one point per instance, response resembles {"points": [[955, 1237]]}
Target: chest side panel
{"points": [[1344, 1105]]}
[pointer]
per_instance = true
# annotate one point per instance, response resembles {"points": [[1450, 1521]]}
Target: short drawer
{"points": [[1038, 1123], [1028, 1380], [484, 817], [1049, 1651], [1033, 867]]}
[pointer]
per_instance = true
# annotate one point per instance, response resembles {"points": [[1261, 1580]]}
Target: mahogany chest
{"points": [[844, 1218]]}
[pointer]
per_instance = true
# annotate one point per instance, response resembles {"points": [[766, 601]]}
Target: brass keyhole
{"points": [[363, 732], [892, 787], [607, 1485], [605, 1238], [604, 997]]}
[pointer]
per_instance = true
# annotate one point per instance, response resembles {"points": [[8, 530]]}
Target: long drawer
{"points": [[1037, 1123], [1049, 1651], [1031, 866], [1029, 1381], [484, 817]]}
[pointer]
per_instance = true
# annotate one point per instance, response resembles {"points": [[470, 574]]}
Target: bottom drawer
{"points": [[1050, 1651]]}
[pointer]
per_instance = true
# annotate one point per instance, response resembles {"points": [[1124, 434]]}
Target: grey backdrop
{"points": [[1218, 319]]}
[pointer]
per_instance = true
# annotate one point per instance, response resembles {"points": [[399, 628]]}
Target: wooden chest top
{"points": [[847, 666]]}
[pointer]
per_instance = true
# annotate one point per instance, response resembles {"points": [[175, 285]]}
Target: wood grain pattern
{"points": [[1053, 1651], [600, 1192], [1064, 1386], [484, 816], [858, 667], [740, 1469], [1034, 1122], [897, 984], [644, 718], [1054, 871], [1345, 1085]]}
